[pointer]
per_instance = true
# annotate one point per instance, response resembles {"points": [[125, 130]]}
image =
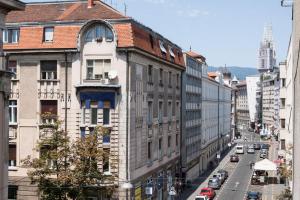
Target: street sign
{"points": [[172, 191]]}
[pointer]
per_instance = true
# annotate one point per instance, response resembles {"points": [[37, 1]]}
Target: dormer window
{"points": [[162, 49], [48, 34], [99, 33], [10, 35], [172, 55]]}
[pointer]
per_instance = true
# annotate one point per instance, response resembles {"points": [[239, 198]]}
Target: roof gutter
{"points": [[40, 51]]}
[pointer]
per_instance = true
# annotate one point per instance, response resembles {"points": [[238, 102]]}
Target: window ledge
{"points": [[48, 42], [13, 124], [107, 125], [12, 168], [107, 173], [14, 79]]}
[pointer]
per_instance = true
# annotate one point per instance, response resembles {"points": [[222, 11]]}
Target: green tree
{"points": [[68, 169]]}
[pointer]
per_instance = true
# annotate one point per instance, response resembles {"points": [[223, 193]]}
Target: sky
{"points": [[224, 31]]}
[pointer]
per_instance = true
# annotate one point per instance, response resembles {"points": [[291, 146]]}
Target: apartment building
{"points": [[242, 108], [191, 117], [90, 65], [270, 102], [253, 83], [286, 107], [234, 94], [6, 6], [216, 117]]}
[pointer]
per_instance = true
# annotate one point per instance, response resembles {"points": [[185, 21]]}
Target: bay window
{"points": [[97, 69]]}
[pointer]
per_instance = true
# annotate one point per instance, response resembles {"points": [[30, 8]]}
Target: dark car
{"points": [[253, 196], [264, 146], [234, 158], [224, 172], [256, 146]]}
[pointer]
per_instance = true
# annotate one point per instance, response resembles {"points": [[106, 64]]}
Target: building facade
{"points": [[92, 66], [216, 117], [286, 107], [270, 102], [5, 7], [252, 87], [242, 108], [191, 117]]}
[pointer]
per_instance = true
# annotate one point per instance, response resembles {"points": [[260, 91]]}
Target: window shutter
{"points": [[12, 152]]}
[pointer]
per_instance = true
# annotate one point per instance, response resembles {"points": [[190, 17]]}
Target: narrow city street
{"points": [[237, 184]]}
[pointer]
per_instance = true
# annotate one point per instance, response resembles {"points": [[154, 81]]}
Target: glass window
{"points": [[13, 111], [106, 167], [98, 69], [48, 34], [12, 155], [10, 35], [170, 78], [150, 73], [149, 149], [106, 116], [49, 70], [12, 192], [150, 112], [94, 113], [12, 67], [48, 111], [99, 32], [169, 141], [160, 111]]}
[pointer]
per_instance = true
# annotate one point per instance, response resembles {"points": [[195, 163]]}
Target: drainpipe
{"points": [[66, 90]]}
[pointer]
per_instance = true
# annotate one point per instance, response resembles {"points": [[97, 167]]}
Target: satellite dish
{"points": [[112, 74]]}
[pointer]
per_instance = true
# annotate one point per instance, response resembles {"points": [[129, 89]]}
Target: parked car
{"points": [[219, 176], [201, 198], [250, 150], [256, 146], [214, 183], [234, 158], [209, 192], [265, 146], [254, 196], [263, 154], [224, 172], [239, 149]]}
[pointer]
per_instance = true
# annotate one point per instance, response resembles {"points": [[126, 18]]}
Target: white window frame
{"points": [[48, 36], [12, 108], [103, 71]]}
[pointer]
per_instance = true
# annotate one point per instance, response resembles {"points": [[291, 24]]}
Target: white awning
{"points": [[265, 165]]}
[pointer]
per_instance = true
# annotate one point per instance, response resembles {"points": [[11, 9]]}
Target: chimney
{"points": [[91, 3]]}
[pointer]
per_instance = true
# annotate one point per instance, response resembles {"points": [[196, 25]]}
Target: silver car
{"points": [[250, 149], [214, 183]]}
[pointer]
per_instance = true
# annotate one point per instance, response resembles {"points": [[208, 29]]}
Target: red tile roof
{"points": [[196, 55], [130, 33], [212, 74], [63, 11]]}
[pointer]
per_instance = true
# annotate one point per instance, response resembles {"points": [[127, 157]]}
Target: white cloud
{"points": [[192, 13]]}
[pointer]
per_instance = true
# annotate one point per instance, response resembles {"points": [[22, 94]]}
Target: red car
{"points": [[209, 192]]}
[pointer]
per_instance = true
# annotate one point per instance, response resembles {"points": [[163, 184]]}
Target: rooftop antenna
{"points": [[125, 8], [190, 47]]}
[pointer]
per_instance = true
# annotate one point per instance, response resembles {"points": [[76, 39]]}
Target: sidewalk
{"points": [[202, 181]]}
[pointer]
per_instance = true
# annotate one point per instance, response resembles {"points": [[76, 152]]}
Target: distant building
{"points": [[267, 54], [270, 102], [5, 7], [234, 95], [242, 108], [252, 87], [191, 153]]}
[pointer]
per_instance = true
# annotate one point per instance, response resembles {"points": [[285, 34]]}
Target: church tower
{"points": [[267, 54]]}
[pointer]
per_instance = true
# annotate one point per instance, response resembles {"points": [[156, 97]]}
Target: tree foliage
{"points": [[66, 169]]}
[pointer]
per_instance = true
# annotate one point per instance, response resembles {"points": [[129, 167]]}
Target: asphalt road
{"points": [[238, 182]]}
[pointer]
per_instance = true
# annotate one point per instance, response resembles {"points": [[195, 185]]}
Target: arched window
{"points": [[99, 32]]}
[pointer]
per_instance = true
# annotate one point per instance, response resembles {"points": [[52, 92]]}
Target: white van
{"points": [[239, 149]]}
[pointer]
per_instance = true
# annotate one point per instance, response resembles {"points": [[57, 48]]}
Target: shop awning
{"points": [[265, 165]]}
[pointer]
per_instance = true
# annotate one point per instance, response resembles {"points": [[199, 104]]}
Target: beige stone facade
{"points": [[133, 93], [5, 7]]}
